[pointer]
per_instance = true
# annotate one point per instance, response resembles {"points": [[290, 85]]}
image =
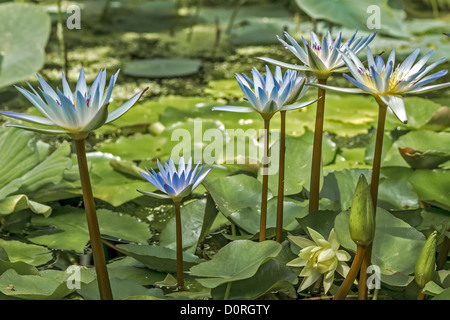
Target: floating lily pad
{"points": [[70, 232], [24, 32], [158, 258], [395, 248], [237, 260], [162, 68], [270, 277], [352, 14]]}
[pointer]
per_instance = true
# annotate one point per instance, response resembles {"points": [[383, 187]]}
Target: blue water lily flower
{"points": [[388, 83], [321, 57], [270, 93], [75, 112], [174, 183]]}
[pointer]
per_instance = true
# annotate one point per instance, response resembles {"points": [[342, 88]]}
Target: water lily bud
{"points": [[425, 265], [362, 215]]}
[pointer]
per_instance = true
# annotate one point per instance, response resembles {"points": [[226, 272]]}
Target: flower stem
{"points": [[443, 253], [376, 168], [227, 291], [92, 222], [265, 182], [279, 226], [314, 189], [421, 295], [353, 272], [180, 279]]}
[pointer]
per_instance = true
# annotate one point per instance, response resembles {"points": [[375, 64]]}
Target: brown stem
{"points": [[375, 181], [353, 272], [265, 183], [180, 279], [421, 295], [376, 166], [279, 227], [443, 253], [314, 189], [362, 290], [92, 222]]}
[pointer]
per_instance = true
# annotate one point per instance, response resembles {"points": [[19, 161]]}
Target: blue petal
{"points": [[113, 115], [233, 109], [81, 84], [28, 117], [359, 84], [47, 89], [200, 178]]}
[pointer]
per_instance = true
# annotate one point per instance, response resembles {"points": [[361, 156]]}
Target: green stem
{"points": [[421, 295], [179, 242], [265, 182], [227, 291], [353, 272], [374, 183], [92, 222], [362, 290], [376, 166], [443, 253], [314, 189], [279, 226]]}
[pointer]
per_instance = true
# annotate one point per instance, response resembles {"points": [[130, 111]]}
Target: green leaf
{"points": [[270, 277], [131, 269], [240, 259], [352, 14], [432, 186], [157, 257], [28, 170], [421, 149], [32, 287], [396, 246], [24, 32], [69, 229], [162, 68], [191, 221], [121, 289], [27, 253]]}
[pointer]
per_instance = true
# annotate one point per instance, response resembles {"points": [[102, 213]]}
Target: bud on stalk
{"points": [[362, 215], [425, 265]]}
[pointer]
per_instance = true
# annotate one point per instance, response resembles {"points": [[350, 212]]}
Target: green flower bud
{"points": [[362, 215], [425, 265]]}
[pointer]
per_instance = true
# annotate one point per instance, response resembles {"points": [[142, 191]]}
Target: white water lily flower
{"points": [[321, 57], [270, 93], [75, 112], [319, 257], [388, 83]]}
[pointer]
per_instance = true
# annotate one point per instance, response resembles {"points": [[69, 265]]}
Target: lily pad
{"points": [[270, 277], [158, 258], [240, 259], [25, 252], [27, 170], [32, 287], [69, 228], [352, 14], [192, 221], [396, 245], [121, 289], [433, 186], [162, 68], [24, 32]]}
